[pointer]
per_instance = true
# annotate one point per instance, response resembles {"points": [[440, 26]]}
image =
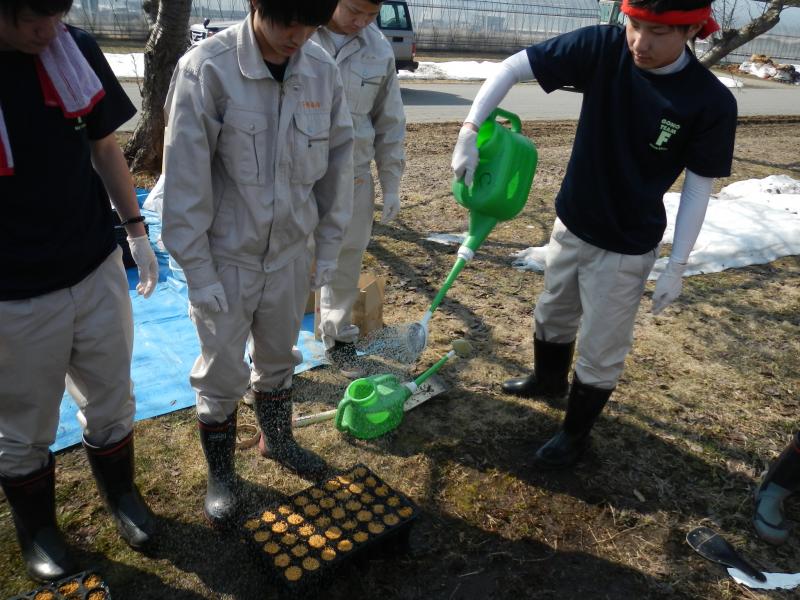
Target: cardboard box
{"points": [[368, 309]]}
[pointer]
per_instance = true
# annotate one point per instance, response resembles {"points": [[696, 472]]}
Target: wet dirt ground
{"points": [[710, 395]]}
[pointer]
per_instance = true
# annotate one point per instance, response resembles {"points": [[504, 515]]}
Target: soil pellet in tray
{"points": [[261, 536], [68, 588], [300, 550], [92, 581], [294, 573], [268, 516]]}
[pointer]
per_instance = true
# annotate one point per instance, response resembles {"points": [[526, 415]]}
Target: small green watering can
{"points": [[373, 406]]}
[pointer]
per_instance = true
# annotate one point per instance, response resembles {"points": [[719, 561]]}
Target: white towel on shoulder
{"points": [[67, 80]]}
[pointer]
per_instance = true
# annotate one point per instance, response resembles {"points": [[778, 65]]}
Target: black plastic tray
{"points": [[302, 540], [86, 585]]}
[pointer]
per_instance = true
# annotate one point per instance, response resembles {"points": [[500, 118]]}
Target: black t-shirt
{"points": [[56, 224], [637, 132], [278, 70]]}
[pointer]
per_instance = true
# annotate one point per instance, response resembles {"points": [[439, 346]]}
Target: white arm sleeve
{"points": [[691, 213], [514, 69]]}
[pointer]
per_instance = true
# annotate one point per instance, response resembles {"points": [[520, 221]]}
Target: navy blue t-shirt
{"points": [[56, 226], [637, 132]]}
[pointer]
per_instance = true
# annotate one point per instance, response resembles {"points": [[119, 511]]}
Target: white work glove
{"points": [[210, 297], [391, 206], [668, 286], [465, 155], [324, 273], [145, 259]]}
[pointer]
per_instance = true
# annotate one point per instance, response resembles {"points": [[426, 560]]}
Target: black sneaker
{"points": [[343, 356]]}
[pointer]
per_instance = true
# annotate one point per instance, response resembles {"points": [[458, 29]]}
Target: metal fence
{"points": [[461, 26], [476, 26]]}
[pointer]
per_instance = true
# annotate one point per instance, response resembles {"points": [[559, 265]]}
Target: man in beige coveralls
{"points": [[366, 62], [258, 168]]}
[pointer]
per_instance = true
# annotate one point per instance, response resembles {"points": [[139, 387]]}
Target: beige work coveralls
{"points": [[366, 62]]}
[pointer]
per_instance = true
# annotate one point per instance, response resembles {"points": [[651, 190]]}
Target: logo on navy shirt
{"points": [[668, 129]]}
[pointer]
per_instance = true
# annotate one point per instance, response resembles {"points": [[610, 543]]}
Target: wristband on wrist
{"points": [[132, 220]]}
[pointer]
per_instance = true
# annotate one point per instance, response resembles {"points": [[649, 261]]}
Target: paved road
{"points": [[438, 102]]}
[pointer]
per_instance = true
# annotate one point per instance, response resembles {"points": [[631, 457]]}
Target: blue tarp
{"points": [[165, 347]]}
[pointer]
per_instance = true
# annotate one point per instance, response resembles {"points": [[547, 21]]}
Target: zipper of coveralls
{"points": [[277, 167]]}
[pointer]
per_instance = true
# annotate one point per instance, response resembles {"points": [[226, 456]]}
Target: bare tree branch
{"points": [[731, 39]]}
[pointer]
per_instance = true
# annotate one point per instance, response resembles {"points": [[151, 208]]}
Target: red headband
{"points": [[675, 17]]}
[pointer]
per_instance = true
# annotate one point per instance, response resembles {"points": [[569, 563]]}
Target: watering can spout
{"points": [[480, 226]]}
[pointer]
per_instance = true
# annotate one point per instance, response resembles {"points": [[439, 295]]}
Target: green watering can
{"points": [[373, 406], [506, 165]]}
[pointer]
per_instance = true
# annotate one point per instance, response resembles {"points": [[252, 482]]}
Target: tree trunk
{"points": [[734, 38], [168, 40]]}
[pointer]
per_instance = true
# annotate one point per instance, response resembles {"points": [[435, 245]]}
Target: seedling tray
{"points": [[86, 585], [304, 539]]}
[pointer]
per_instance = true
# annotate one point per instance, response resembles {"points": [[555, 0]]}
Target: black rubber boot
{"points": [[550, 377], [113, 469], [274, 413], [32, 499], [782, 479], [584, 405], [219, 445]]}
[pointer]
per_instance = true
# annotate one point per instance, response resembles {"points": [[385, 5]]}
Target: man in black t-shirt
{"points": [[650, 112], [65, 309]]}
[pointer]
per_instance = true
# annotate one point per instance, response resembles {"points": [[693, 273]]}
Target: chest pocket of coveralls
{"points": [[371, 76], [243, 145], [311, 133]]}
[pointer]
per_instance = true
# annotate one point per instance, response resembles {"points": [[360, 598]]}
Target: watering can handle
{"points": [[340, 413], [516, 124]]}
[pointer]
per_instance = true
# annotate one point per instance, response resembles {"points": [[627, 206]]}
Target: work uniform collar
{"points": [[353, 44], [252, 64]]}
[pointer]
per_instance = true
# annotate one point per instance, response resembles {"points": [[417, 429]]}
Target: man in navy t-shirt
{"points": [[650, 112], [65, 309]]}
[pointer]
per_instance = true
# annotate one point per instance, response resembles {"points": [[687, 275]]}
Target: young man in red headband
{"points": [[65, 309], [650, 112]]}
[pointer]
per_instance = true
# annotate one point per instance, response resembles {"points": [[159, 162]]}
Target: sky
{"points": [[749, 222]]}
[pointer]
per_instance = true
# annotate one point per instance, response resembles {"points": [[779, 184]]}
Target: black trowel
{"points": [[712, 546]]}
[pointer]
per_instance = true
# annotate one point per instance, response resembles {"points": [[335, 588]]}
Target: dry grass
{"points": [[710, 394]]}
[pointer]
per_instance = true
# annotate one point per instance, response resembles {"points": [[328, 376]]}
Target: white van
{"points": [[394, 21]]}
